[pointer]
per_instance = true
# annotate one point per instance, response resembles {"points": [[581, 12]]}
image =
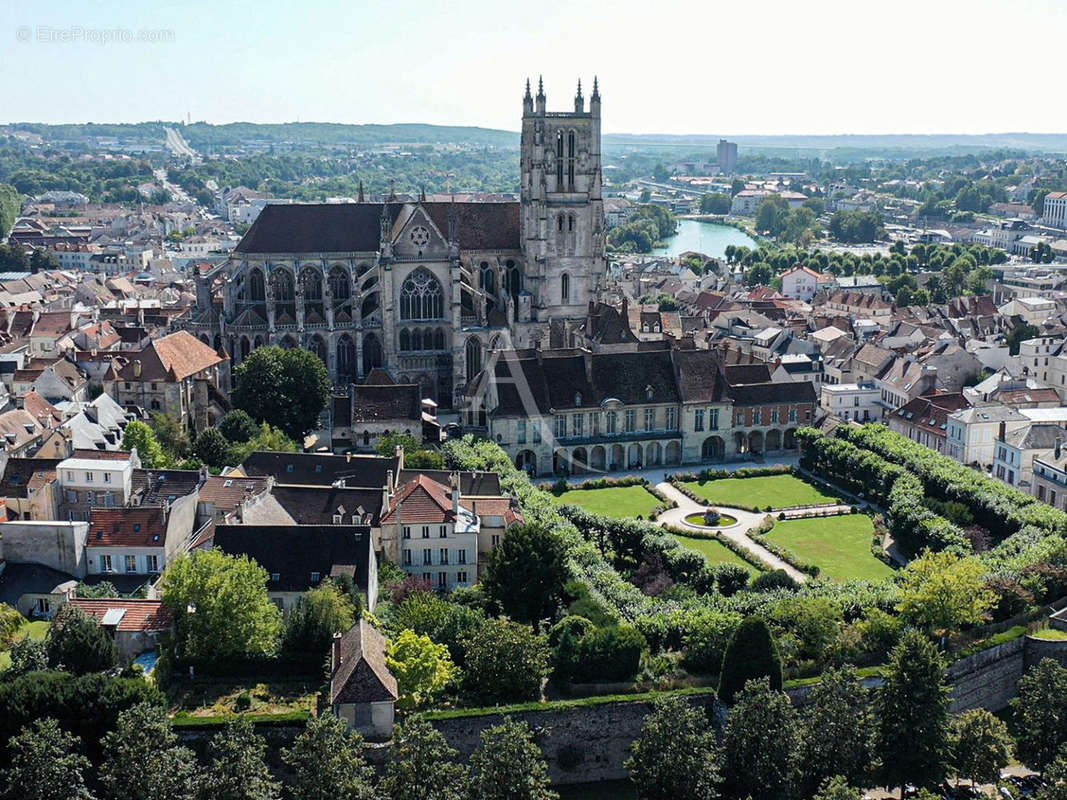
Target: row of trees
{"points": [[648, 225]]}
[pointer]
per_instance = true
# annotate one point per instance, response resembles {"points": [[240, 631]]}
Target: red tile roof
{"points": [[422, 500], [127, 527], [171, 358], [138, 615], [102, 455]]}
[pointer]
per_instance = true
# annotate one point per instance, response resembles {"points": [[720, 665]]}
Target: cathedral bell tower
{"points": [[562, 206]]}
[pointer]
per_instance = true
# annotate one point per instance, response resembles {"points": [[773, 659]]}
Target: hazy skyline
{"points": [[821, 67]]}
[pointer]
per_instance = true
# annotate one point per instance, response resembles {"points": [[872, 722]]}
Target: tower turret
{"points": [[594, 99], [579, 101], [527, 100], [540, 95]]}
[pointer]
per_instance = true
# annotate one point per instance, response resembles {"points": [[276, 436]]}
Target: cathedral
{"points": [[423, 290]]}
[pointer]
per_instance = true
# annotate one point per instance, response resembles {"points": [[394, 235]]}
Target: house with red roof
{"points": [[802, 283], [134, 624]]}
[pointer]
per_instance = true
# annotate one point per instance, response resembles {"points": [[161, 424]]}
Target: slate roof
{"points": [[356, 227], [483, 484], [295, 552], [225, 492], [930, 412], [362, 675], [320, 469], [381, 403], [20, 474], [316, 505], [127, 527]]}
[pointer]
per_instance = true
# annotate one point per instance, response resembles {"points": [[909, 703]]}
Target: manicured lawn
{"points": [[778, 491], [839, 546], [35, 630], [714, 551], [1050, 633], [725, 520], [615, 501]]}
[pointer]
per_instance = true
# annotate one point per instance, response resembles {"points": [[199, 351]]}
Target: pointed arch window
{"points": [[570, 161], [421, 296], [559, 160], [565, 288]]}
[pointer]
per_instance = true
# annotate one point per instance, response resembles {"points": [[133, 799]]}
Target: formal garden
{"points": [[758, 492], [839, 546], [622, 498]]}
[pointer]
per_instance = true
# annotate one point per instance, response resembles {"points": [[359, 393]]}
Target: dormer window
{"points": [[314, 577], [577, 399], [648, 391], [275, 577]]}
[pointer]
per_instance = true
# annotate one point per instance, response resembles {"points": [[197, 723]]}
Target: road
{"points": [[179, 147]]}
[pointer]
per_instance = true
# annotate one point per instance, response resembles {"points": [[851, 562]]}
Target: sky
{"points": [[699, 67]]}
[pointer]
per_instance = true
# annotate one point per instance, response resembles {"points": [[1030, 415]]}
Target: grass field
{"points": [[778, 491], [615, 501], [725, 520], [35, 630], [839, 546], [715, 552]]}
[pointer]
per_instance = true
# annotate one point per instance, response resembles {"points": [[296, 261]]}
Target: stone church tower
{"points": [[562, 205]]}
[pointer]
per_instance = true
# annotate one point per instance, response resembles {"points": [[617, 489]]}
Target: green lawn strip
{"points": [[183, 719], [714, 551], [557, 705], [778, 491], [35, 630], [1050, 634], [620, 502], [839, 546]]}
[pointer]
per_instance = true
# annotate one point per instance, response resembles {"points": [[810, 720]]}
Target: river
{"points": [[708, 238]]}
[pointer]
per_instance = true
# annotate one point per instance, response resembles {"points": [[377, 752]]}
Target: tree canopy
{"points": [[285, 388]]}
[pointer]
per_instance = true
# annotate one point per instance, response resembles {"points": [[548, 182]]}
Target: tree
{"points": [[675, 756], [942, 592], [75, 643], [237, 769], [237, 426], [760, 743], [837, 788], [415, 457], [422, 766], [45, 764], [1055, 776], [715, 203], [526, 572], [505, 662], [911, 716], [10, 623], [611, 653], [27, 655], [316, 617], [758, 275], [285, 388], [170, 435], [836, 724], [422, 668], [981, 746], [221, 607], [142, 758], [139, 436], [426, 613], [1040, 711], [771, 214], [213, 449], [326, 762], [1018, 335], [752, 653], [509, 765]]}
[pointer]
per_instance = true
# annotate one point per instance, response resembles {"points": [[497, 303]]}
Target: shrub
{"points": [[730, 579], [773, 580], [751, 654], [609, 654], [243, 702]]}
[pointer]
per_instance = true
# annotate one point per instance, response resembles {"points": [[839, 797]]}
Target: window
{"points": [[577, 424], [698, 420], [151, 563], [70, 476], [792, 415], [594, 424], [88, 477], [407, 558], [650, 419], [570, 161], [105, 563], [757, 417], [442, 531], [774, 416], [565, 288], [612, 421], [427, 556], [461, 577], [315, 577], [407, 532], [522, 432], [425, 531], [713, 419], [496, 539], [559, 167], [90, 497], [442, 580], [561, 426], [740, 418], [461, 556], [672, 419], [444, 555], [72, 496], [425, 579], [131, 563], [631, 421], [107, 477], [421, 296]]}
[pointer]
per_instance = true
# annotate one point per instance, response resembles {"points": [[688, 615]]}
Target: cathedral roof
{"points": [[356, 227]]}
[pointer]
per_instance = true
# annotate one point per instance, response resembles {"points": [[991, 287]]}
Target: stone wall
{"points": [[988, 679], [582, 743]]}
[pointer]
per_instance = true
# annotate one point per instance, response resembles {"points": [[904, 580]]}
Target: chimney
{"points": [[389, 479], [1002, 431], [137, 368], [625, 311], [1059, 447], [587, 358], [454, 480], [335, 652], [348, 458]]}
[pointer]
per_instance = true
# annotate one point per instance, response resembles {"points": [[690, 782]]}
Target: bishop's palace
{"points": [[423, 289]]}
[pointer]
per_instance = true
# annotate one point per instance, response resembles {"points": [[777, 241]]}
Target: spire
{"points": [[579, 101], [540, 88], [579, 87], [361, 200], [527, 95], [422, 194], [596, 89]]}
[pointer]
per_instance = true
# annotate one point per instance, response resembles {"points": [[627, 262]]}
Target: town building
{"points": [[852, 402]]}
